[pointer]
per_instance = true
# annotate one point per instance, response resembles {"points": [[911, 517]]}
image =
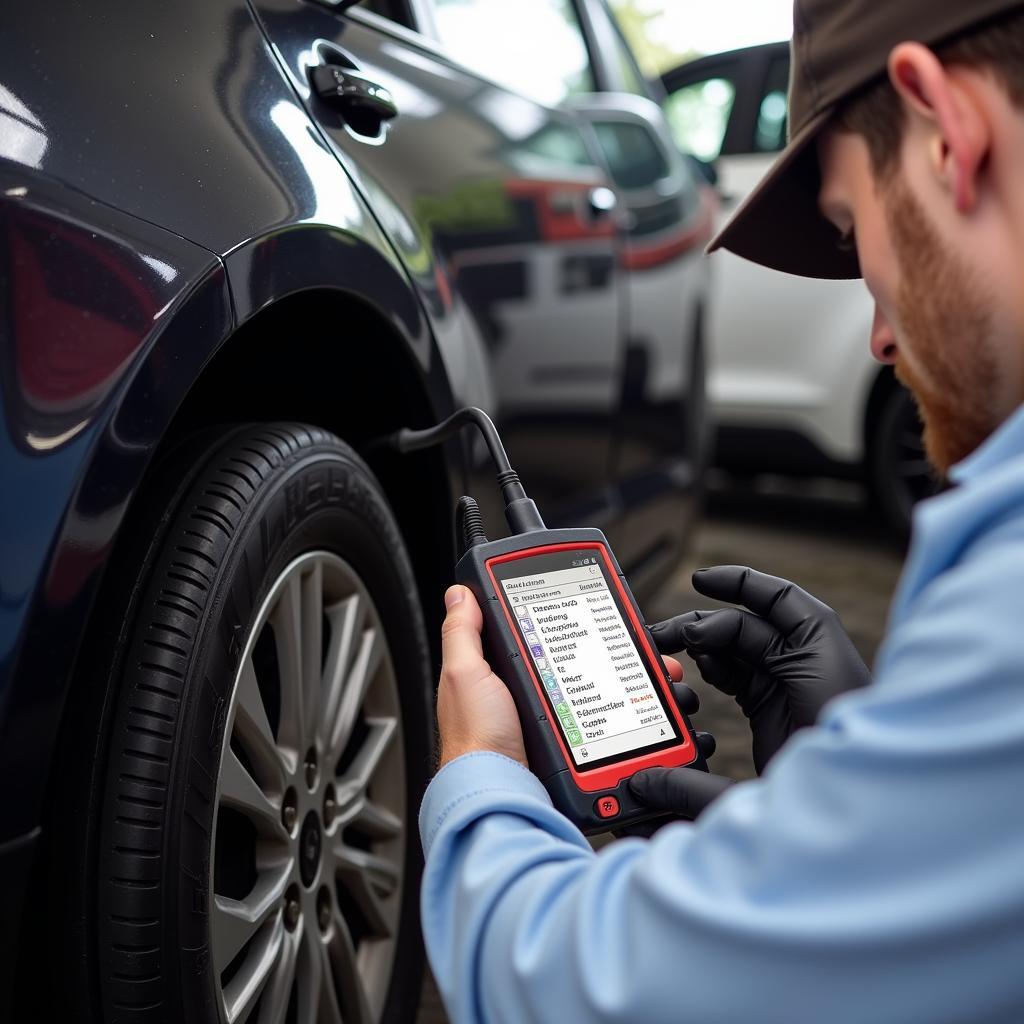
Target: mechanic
{"points": [[875, 871]]}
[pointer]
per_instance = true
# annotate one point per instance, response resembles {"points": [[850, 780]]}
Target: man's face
{"points": [[935, 318]]}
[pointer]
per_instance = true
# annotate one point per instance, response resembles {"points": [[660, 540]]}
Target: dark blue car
{"points": [[238, 243]]}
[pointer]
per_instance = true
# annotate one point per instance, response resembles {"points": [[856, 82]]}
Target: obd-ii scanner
{"points": [[563, 631]]}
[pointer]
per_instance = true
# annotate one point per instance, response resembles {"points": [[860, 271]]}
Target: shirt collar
{"points": [[1006, 443]]}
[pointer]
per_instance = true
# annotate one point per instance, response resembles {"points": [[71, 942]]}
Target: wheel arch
{"points": [[328, 358], [278, 365]]}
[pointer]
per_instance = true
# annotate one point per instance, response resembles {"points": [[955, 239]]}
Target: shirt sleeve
{"points": [[874, 872]]}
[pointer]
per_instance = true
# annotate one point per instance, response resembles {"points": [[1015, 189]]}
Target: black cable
{"points": [[406, 440], [520, 511]]}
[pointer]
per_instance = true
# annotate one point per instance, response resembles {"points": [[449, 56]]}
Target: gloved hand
{"points": [[782, 660], [683, 792]]}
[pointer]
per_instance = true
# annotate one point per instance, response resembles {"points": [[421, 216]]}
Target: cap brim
{"points": [[779, 224]]}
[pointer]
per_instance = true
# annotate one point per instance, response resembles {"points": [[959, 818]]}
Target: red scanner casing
{"points": [[596, 799]]}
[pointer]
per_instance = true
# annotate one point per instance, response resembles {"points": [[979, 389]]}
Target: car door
{"points": [[487, 191]]}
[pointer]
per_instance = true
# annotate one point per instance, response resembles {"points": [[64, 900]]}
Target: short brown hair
{"points": [[877, 113]]}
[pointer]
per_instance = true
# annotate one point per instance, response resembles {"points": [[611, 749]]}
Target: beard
{"points": [[945, 321]]}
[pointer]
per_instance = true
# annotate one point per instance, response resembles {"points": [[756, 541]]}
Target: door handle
{"points": [[352, 92], [601, 202]]}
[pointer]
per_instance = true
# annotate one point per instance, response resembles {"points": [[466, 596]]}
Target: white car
{"points": [[792, 385]]}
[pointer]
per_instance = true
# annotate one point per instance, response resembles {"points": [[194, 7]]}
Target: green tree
{"points": [[639, 24]]}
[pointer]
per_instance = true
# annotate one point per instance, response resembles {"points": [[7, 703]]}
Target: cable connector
{"points": [[469, 524], [520, 511]]}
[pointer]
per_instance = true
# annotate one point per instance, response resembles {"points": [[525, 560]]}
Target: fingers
{"points": [[682, 791], [733, 632], [675, 669], [706, 744], [461, 649], [686, 699], [782, 603], [668, 635], [722, 672]]}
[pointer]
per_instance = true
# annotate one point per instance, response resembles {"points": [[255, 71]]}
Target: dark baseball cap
{"points": [[838, 48]]}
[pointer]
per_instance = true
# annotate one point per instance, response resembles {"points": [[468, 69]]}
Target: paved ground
{"points": [[819, 536]]}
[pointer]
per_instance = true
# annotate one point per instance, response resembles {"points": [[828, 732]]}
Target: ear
{"points": [[962, 134]]}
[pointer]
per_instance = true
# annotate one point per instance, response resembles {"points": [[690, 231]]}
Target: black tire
{"points": [[264, 497], [898, 473]]}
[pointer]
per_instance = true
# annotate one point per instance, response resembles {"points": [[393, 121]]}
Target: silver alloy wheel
{"points": [[306, 871]]}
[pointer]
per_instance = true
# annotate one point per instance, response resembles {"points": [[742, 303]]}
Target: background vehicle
{"points": [[792, 385], [222, 276]]}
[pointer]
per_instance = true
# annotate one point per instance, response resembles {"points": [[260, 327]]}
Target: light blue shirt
{"points": [[874, 874]]}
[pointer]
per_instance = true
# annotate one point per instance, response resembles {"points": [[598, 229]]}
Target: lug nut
{"points": [[311, 768], [289, 812], [330, 808], [291, 914], [323, 910]]}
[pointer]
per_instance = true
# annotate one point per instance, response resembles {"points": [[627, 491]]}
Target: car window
{"points": [[634, 158], [535, 47], [770, 130], [698, 115], [394, 10]]}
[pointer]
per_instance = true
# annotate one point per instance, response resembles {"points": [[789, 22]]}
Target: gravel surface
{"points": [[817, 534]]}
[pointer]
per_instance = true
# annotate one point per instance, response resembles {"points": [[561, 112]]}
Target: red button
{"points": [[606, 806]]}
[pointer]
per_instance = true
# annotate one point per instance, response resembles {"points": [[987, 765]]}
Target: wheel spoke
{"points": [[312, 647], [234, 922], [243, 991], [286, 620], [372, 880], [278, 991], [330, 1009], [238, 789], [368, 658], [376, 821], [345, 968], [311, 978], [255, 732], [346, 619]]}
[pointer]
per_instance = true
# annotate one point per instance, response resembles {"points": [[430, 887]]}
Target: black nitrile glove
{"points": [[683, 792], [782, 660]]}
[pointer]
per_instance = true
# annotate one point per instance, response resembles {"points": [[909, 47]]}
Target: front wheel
{"points": [[270, 739]]}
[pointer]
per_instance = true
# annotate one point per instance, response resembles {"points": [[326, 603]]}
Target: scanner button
{"points": [[606, 806]]}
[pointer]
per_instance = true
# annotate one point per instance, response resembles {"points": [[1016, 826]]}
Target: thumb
{"points": [[682, 791], [461, 649]]}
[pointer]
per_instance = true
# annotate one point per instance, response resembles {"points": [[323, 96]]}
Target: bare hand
{"points": [[475, 711]]}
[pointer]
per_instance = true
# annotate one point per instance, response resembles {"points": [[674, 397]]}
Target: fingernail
{"points": [[454, 596]]}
